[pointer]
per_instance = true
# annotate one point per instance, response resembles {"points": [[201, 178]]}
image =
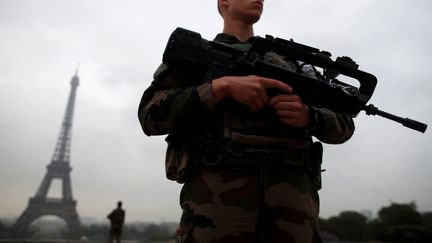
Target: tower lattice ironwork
{"points": [[59, 168]]}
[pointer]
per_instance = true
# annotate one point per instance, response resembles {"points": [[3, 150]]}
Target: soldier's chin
{"points": [[252, 19]]}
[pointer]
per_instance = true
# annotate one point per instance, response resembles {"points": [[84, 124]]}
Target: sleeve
{"points": [[175, 97], [332, 127]]}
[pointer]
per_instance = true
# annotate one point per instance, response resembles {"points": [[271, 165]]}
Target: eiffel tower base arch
{"points": [[65, 210]]}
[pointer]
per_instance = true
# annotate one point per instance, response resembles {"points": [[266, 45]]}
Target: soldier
{"points": [[117, 218], [250, 169]]}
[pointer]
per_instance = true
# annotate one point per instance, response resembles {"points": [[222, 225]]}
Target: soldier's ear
{"points": [[224, 3]]}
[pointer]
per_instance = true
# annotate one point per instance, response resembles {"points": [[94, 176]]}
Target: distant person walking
{"points": [[116, 217]]}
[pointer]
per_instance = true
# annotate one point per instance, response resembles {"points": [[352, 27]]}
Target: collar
{"points": [[226, 38]]}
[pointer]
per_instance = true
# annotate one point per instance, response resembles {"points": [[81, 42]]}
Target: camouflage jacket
{"points": [[179, 102]]}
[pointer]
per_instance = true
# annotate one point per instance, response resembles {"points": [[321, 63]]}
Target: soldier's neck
{"points": [[240, 30]]}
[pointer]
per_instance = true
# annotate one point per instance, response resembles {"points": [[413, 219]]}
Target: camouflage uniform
{"points": [[246, 175]]}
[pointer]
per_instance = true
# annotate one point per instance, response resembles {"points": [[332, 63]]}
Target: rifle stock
{"points": [[186, 47]]}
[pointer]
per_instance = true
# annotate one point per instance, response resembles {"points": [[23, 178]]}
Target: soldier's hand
{"points": [[291, 110], [249, 90]]}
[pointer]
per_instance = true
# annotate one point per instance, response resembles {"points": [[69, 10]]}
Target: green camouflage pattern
{"points": [[232, 197], [222, 205]]}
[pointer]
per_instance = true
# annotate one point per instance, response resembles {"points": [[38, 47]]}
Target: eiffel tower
{"points": [[65, 207]]}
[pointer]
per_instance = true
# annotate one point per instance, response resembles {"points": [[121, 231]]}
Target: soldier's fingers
{"points": [[256, 104], [283, 98], [287, 120], [273, 83], [286, 113]]}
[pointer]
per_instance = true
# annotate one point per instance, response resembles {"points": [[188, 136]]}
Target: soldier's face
{"points": [[247, 10]]}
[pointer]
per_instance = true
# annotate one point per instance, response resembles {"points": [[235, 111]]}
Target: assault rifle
{"points": [[187, 48]]}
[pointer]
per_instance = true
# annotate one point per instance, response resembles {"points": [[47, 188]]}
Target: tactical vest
{"points": [[235, 136], [260, 131]]}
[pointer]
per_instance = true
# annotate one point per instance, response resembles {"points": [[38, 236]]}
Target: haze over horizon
{"points": [[119, 45]]}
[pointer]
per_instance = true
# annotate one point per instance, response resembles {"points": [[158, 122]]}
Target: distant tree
{"points": [[327, 231], [96, 231], [2, 230], [427, 219], [349, 225], [142, 232], [401, 223], [157, 232], [400, 215], [135, 232]]}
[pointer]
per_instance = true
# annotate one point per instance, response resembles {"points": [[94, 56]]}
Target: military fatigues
{"points": [[247, 177]]}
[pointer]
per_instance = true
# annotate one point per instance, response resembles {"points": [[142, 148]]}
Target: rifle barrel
{"points": [[407, 122]]}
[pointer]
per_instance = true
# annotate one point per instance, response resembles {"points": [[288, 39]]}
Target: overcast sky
{"points": [[119, 44]]}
